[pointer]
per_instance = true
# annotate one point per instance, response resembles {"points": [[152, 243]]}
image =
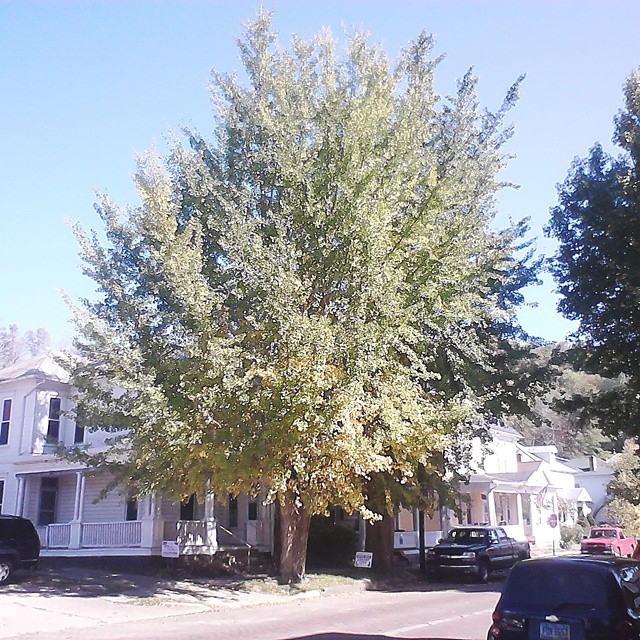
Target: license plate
{"points": [[552, 631]]}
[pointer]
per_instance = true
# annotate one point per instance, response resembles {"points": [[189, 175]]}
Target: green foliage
{"points": [[571, 535], [330, 544], [282, 308], [626, 482], [624, 489], [597, 266], [556, 416], [626, 515]]}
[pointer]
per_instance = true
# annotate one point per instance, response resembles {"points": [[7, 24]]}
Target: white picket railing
{"points": [[111, 534], [406, 540], [54, 536], [191, 532], [59, 536], [411, 539]]}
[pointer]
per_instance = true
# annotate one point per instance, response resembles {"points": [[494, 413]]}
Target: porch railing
{"points": [[411, 539], [191, 532], [406, 540], [55, 536], [111, 534]]}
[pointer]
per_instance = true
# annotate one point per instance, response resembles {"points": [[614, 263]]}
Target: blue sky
{"points": [[87, 84]]}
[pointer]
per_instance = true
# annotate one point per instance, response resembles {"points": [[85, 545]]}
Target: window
{"points": [[4, 422], [188, 508], [48, 496], [252, 511], [53, 428], [131, 510], [1, 493], [78, 435], [233, 512], [465, 536]]}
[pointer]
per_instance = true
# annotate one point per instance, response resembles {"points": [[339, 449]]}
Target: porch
{"points": [[75, 516], [138, 537]]}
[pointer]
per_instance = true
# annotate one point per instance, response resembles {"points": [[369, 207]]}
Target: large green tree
{"points": [[597, 265], [624, 490], [271, 315]]}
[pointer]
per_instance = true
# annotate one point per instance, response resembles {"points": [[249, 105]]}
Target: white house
{"points": [[65, 500], [513, 486], [510, 485], [594, 475]]}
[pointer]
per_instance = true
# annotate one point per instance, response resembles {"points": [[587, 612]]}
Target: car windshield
{"points": [[603, 533], [554, 585], [467, 535]]}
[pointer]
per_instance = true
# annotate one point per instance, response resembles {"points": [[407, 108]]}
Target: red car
{"points": [[608, 540]]}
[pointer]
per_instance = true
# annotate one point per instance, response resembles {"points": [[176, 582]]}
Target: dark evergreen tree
{"points": [[597, 266]]}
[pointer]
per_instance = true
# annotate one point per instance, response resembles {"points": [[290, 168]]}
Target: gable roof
{"points": [[591, 464], [42, 366]]}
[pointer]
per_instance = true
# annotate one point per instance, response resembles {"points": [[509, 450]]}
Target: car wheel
{"points": [[483, 571], [616, 552], [6, 570]]}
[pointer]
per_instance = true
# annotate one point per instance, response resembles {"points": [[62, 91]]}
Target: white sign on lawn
{"points": [[363, 559], [170, 549]]}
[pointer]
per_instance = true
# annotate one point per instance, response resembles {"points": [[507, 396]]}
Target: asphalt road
{"points": [[449, 611]]}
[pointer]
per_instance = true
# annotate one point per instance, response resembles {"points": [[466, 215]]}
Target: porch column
{"points": [[519, 510], [19, 510], [75, 535], [491, 504], [152, 526], [209, 506], [78, 511]]}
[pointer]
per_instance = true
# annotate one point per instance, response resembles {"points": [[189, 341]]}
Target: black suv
{"points": [[19, 545], [570, 598]]}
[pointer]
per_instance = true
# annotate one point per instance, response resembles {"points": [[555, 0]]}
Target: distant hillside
{"points": [[553, 420]]}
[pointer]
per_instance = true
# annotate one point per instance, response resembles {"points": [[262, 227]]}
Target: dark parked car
{"points": [[570, 598], [477, 551], [19, 545]]}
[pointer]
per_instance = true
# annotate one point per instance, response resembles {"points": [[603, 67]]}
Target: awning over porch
{"points": [[517, 482]]}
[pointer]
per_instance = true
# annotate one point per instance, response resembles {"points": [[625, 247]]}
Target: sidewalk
{"points": [[82, 598]]}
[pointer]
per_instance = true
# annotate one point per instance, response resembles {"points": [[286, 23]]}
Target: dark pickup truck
{"points": [[477, 551]]}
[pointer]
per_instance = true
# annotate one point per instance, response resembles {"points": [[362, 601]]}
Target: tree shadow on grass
{"points": [[80, 582]]}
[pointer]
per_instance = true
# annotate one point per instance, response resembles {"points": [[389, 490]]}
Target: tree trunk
{"points": [[379, 538], [277, 544], [380, 543], [294, 535]]}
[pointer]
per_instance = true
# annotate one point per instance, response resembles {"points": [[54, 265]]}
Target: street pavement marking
{"points": [[431, 623]]}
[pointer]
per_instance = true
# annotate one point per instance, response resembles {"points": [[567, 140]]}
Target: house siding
{"points": [[110, 508], [66, 499]]}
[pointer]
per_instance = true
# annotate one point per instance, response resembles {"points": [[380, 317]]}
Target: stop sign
{"points": [[553, 520]]}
